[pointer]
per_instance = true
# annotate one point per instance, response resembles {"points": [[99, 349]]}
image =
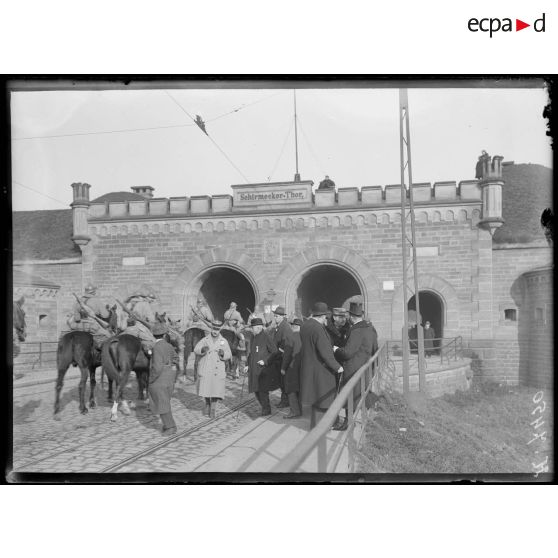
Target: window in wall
{"points": [[510, 315], [43, 320], [539, 315]]}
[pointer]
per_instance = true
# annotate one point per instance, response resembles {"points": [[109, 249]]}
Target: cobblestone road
{"points": [[91, 443]]}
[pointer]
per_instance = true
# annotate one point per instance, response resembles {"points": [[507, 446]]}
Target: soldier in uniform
{"points": [[234, 322], [326, 184], [162, 378], [92, 316], [283, 339], [338, 327], [142, 306]]}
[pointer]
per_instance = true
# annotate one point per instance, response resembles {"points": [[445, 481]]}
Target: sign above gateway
{"points": [[273, 195]]}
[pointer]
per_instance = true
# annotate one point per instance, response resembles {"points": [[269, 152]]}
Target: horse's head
{"points": [[19, 321], [161, 318]]}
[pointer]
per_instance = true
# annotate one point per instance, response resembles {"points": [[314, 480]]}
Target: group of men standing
{"points": [[309, 361]]}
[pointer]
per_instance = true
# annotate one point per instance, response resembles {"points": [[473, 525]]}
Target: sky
{"points": [[352, 135]]}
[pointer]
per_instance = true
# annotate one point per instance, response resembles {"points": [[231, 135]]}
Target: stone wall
{"points": [[69, 278], [274, 252]]}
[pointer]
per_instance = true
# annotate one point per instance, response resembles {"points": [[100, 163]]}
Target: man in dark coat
{"points": [[429, 336], [263, 376], [162, 378], [338, 327], [292, 374], [361, 344], [317, 363], [283, 339], [326, 184]]}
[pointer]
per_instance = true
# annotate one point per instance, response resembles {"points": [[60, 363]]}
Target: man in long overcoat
{"points": [[214, 350], [292, 373], [283, 338], [429, 336], [263, 376], [361, 344], [162, 378], [318, 366]]}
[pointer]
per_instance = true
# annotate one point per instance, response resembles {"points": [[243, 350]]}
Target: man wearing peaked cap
{"points": [[362, 343], [162, 378], [318, 367], [283, 339], [338, 327]]}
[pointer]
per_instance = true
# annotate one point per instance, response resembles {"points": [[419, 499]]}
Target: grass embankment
{"points": [[483, 430]]}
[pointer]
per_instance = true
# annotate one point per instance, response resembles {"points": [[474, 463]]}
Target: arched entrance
{"points": [[431, 310], [222, 285], [325, 283]]}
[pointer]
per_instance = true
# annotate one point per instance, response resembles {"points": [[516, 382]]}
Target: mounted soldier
{"points": [[201, 317], [234, 322], [91, 313], [142, 305]]}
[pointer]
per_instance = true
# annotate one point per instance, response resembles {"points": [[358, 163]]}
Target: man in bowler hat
{"points": [[361, 344], [317, 363], [263, 376], [283, 339]]}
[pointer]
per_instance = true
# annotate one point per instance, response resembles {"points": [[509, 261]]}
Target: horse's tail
{"points": [[108, 362]]}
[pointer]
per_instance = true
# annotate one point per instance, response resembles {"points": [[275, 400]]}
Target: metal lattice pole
{"points": [[408, 213]]}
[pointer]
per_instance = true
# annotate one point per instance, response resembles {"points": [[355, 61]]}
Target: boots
{"points": [[294, 405], [212, 406], [207, 409], [284, 401]]}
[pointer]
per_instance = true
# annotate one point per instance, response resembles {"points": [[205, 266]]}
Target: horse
{"points": [[19, 326], [120, 355], [77, 348], [192, 337]]}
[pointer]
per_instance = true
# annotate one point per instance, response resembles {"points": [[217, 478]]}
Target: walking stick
{"points": [[241, 395]]}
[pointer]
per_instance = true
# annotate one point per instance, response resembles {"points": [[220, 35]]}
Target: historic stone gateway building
{"points": [[283, 243]]}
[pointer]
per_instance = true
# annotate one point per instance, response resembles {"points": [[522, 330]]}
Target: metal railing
{"points": [[357, 415], [36, 355], [446, 348]]}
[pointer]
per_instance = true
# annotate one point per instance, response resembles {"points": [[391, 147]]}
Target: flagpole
{"points": [[297, 175]]}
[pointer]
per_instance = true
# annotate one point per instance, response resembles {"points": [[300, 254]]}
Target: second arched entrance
{"points": [[325, 283]]}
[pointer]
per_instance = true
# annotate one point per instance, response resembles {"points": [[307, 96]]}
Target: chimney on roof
{"points": [[80, 208], [145, 191]]}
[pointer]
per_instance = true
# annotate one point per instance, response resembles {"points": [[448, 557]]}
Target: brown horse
{"points": [[77, 348]]}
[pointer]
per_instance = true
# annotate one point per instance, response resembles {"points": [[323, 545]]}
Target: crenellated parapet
{"points": [[294, 197]]}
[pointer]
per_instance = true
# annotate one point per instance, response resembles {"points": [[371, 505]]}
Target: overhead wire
{"points": [[146, 129], [37, 192], [281, 153], [213, 141]]}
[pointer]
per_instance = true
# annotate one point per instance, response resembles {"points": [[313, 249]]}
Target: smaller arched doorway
{"points": [[325, 283], [222, 285], [432, 310]]}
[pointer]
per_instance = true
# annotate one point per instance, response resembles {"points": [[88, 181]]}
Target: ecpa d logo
{"points": [[492, 25]]}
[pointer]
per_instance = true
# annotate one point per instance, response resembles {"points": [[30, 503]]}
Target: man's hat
{"points": [[297, 322], [339, 311], [216, 324], [158, 329], [233, 304], [319, 309], [256, 322], [355, 309], [280, 311]]}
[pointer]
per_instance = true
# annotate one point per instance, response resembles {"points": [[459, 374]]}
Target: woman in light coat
{"points": [[214, 350]]}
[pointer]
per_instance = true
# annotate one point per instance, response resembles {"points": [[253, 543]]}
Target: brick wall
{"points": [[69, 278], [509, 359], [168, 253]]}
